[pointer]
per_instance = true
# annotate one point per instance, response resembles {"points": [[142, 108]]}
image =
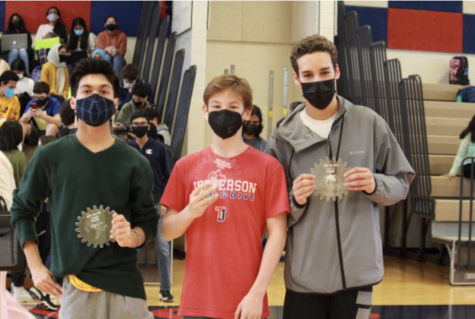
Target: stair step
{"points": [[449, 110], [443, 145], [441, 164], [449, 188], [448, 210], [446, 126], [448, 231], [441, 92]]}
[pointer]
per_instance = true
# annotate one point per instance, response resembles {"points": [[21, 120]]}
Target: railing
{"points": [[466, 263]]}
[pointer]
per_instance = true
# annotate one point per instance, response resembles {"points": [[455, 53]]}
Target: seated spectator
{"points": [[55, 72], [80, 39], [24, 84], [9, 103], [53, 29], [68, 118], [99, 54], [121, 124], [157, 131], [252, 129], [17, 26], [11, 135], [4, 66], [41, 115], [114, 43], [130, 76], [24, 87]]}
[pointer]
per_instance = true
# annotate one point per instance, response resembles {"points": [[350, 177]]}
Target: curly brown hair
{"points": [[233, 82], [310, 44]]}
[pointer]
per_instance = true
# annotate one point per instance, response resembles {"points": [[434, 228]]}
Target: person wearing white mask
{"points": [[55, 72], [54, 28], [25, 84]]}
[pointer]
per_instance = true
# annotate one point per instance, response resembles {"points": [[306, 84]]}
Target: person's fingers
{"points": [[120, 224], [358, 176], [205, 193], [360, 182], [116, 218], [208, 201], [355, 170], [238, 312], [197, 190]]}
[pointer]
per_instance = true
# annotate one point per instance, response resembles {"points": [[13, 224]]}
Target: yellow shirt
{"points": [[49, 75], [9, 109]]}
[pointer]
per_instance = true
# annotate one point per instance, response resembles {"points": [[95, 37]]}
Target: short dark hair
{"points": [[130, 72], [41, 87], [138, 114], [310, 44], [112, 16], [140, 89], [11, 134], [94, 66], [257, 111], [8, 76], [67, 113], [18, 65], [47, 138], [153, 114]]}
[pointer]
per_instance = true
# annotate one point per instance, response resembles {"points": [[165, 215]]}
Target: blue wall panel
{"points": [[2, 16], [468, 33], [127, 13], [376, 18], [443, 6]]}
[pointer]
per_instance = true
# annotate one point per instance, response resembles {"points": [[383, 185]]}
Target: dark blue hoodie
{"points": [[156, 154]]}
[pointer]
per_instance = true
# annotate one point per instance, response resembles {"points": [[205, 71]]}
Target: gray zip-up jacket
{"points": [[317, 259]]}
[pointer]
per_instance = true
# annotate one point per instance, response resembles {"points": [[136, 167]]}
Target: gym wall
{"points": [[423, 35]]}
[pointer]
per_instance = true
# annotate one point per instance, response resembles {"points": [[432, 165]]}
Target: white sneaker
{"points": [[22, 295]]}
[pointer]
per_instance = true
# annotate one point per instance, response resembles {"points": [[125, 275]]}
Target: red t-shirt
{"points": [[224, 246]]}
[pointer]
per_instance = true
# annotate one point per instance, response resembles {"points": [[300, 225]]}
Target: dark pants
{"points": [[352, 304], [44, 245], [466, 171]]}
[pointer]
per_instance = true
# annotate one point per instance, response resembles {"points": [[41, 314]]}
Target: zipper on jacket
{"points": [[337, 213]]}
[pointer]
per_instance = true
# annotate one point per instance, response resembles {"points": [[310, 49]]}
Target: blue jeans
{"points": [[162, 247], [117, 61], [22, 54]]}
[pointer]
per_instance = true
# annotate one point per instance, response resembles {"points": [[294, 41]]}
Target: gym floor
{"points": [[409, 290]]}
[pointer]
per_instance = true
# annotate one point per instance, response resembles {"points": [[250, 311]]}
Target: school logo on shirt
{"points": [[149, 151], [221, 213]]}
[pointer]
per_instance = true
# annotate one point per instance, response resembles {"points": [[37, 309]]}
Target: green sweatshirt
{"points": [[76, 180], [19, 161]]}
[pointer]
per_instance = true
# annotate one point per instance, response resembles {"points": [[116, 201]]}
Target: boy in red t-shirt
{"points": [[224, 198]]}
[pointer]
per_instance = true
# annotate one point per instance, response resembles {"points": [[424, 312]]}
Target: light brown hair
{"points": [[233, 82], [310, 44]]}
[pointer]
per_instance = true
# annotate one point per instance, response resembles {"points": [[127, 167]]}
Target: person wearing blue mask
{"points": [[80, 39], [100, 218], [130, 76], [9, 104]]}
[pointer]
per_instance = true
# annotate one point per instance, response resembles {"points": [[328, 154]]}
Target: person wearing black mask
{"points": [[341, 162], [223, 198], [114, 43], [17, 26], [252, 129], [156, 154], [42, 115], [121, 123], [101, 207], [54, 28], [55, 72]]}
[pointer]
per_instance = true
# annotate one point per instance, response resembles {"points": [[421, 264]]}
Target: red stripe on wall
{"points": [[34, 12], [425, 30]]}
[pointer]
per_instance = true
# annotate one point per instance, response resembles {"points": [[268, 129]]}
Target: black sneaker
{"points": [[43, 301], [166, 296]]}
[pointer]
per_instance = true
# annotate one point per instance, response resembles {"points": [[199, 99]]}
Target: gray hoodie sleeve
{"points": [[393, 173], [281, 151]]}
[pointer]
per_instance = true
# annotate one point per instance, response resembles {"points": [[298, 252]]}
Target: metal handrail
{"points": [[468, 265]]}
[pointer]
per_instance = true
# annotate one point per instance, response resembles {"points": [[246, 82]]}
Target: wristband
{"points": [[140, 238]]}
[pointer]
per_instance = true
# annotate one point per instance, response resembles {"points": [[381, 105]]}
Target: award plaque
{"points": [[329, 178], [94, 226]]}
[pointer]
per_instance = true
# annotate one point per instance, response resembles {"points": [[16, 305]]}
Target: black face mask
{"points": [[225, 123], [16, 24], [138, 104], [42, 102], [319, 94], [250, 129], [111, 26], [140, 131], [62, 58]]}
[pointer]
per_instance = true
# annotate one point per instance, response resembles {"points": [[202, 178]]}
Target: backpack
{"points": [[458, 71], [36, 73], [11, 253], [467, 94]]}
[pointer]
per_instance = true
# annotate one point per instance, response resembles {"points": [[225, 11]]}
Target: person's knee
{"points": [[26, 130], [52, 130]]}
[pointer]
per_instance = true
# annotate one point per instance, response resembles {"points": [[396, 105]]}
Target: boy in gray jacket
{"points": [[341, 161]]}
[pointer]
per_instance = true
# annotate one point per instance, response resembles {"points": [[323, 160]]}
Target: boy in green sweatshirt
{"points": [[100, 193]]}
